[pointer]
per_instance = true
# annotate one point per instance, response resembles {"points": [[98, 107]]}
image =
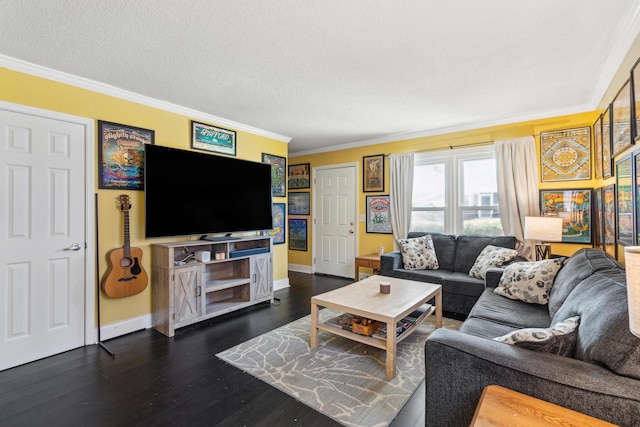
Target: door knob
{"points": [[351, 231], [74, 247]]}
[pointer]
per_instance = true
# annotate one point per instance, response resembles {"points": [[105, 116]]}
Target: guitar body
{"points": [[125, 275]]}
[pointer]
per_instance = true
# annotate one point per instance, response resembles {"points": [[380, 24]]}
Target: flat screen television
{"points": [[191, 193]]}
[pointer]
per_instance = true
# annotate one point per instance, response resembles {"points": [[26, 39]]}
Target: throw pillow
{"points": [[559, 339], [529, 281], [418, 253], [491, 256]]}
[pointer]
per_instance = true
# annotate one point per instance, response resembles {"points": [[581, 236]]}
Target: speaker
{"points": [[203, 256]]}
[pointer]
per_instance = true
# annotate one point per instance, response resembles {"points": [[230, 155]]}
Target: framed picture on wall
{"points": [[635, 86], [299, 203], [624, 201], [607, 159], [574, 207], [609, 219], [211, 138], [373, 173], [598, 219], [597, 148], [299, 176], [298, 234], [566, 154], [278, 232], [378, 215], [121, 155], [636, 194], [621, 119], [278, 174]]}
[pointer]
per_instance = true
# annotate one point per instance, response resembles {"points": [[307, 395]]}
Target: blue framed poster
{"points": [[211, 138]]}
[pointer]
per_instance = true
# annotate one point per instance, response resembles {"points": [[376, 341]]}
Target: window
{"points": [[456, 192]]}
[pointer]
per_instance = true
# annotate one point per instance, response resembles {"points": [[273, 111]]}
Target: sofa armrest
{"points": [[389, 262], [460, 366], [492, 277]]}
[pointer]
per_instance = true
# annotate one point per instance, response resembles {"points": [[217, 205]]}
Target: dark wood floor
{"points": [[157, 381]]}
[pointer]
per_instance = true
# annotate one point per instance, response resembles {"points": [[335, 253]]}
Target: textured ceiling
{"points": [[336, 73]]}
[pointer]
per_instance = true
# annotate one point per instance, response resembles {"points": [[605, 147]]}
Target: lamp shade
{"points": [[543, 228], [632, 268]]}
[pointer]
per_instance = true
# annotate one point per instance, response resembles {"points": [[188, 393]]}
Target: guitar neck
{"points": [[127, 244]]}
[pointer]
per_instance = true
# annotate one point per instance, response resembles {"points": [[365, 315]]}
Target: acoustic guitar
{"points": [[125, 275]]}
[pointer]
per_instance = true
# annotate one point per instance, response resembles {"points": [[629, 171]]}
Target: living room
{"points": [[36, 87]]}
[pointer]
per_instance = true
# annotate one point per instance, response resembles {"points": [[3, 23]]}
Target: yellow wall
{"points": [[171, 130], [369, 243]]}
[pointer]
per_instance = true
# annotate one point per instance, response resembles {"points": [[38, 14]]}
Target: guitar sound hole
{"points": [[126, 262]]}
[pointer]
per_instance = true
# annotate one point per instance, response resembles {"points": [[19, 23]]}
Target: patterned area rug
{"points": [[342, 379]]}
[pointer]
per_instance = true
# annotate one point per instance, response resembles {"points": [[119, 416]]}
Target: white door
{"points": [[335, 228], [42, 237]]}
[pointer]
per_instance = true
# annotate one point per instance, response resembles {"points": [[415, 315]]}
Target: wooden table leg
{"points": [[439, 309], [314, 326], [391, 350]]}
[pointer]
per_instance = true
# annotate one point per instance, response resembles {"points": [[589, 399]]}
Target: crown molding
{"points": [[94, 86]]}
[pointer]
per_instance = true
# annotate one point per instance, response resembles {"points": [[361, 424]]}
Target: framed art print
{"points": [[566, 154], [211, 138], [621, 119], [299, 203], [574, 207], [635, 91], [378, 215], [624, 201], [607, 158], [278, 174], [598, 219], [609, 219], [597, 148], [299, 176], [298, 234], [373, 173], [636, 194], [121, 155], [278, 232]]}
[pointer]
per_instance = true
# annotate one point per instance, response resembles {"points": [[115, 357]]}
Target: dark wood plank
{"points": [[159, 381]]}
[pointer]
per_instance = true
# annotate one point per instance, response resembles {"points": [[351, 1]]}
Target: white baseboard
{"points": [[301, 268], [281, 284], [117, 329]]}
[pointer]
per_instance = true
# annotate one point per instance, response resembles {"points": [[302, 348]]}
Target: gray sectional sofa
{"points": [[601, 378], [456, 255]]}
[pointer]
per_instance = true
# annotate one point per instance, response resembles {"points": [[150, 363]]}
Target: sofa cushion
{"points": [[462, 284], [427, 276], [418, 253], [559, 339], [529, 281], [510, 312], [604, 337], [578, 267], [485, 328], [469, 246], [491, 256], [444, 245]]}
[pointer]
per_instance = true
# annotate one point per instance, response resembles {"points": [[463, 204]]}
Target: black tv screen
{"points": [[191, 193]]}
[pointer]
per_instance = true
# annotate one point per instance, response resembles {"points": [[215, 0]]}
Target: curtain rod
{"points": [[451, 147]]}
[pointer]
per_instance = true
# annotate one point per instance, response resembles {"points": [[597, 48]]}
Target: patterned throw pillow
{"points": [[418, 253], [529, 281], [558, 339], [491, 256]]}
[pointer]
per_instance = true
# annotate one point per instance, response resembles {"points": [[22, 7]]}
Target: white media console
{"points": [[187, 291]]}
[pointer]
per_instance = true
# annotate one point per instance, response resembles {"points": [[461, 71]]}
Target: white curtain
{"points": [[517, 169], [400, 193]]}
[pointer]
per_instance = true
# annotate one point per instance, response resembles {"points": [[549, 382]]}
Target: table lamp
{"points": [[544, 229], [632, 268]]}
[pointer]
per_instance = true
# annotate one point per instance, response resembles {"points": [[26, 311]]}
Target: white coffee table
{"points": [[364, 299]]}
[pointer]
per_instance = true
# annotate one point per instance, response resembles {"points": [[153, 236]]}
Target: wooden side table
{"points": [[501, 406], [370, 261]]}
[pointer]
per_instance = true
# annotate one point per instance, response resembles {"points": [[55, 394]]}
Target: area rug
{"points": [[342, 379]]}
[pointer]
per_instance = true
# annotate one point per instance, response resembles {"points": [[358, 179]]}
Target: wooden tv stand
{"points": [[187, 291]]}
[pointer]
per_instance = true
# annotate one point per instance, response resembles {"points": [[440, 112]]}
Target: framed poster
{"points": [[609, 213], [598, 219], [298, 234], [607, 158], [121, 155], [635, 93], [624, 201], [299, 176], [574, 207], [636, 194], [299, 203], [597, 148], [278, 174], [278, 232], [378, 215], [211, 138], [566, 154], [621, 120], [373, 173]]}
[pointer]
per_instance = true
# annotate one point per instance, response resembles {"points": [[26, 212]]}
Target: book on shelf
{"points": [[418, 314]]}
